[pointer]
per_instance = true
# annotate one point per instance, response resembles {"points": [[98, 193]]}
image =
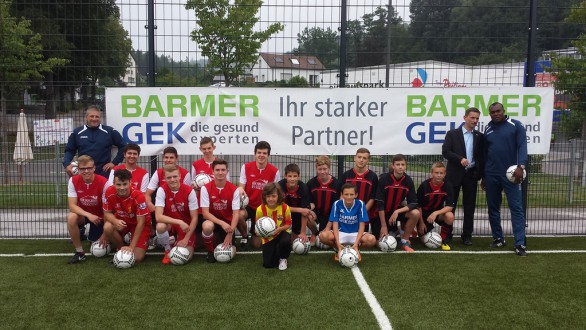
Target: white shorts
{"points": [[347, 238]]}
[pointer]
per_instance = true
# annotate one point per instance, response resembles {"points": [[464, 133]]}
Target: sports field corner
{"points": [[467, 288]]}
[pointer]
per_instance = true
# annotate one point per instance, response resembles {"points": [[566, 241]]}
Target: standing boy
{"points": [[170, 157], [125, 211], [297, 197], [140, 176], [436, 199], [397, 201], [323, 192]]}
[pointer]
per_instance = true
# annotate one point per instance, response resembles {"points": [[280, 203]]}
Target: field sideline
{"points": [[462, 289]]}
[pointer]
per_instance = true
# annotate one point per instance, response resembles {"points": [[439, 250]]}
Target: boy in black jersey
{"points": [[297, 197], [323, 192]]}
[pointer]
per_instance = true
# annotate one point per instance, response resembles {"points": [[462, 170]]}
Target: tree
{"points": [[430, 21], [226, 36], [570, 74], [321, 43]]}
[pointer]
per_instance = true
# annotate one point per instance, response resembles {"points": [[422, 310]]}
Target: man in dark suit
{"points": [[463, 148]]}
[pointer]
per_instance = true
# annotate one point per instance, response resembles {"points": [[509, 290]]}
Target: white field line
{"points": [[383, 321]]}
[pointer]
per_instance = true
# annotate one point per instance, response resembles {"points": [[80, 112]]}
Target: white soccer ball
{"points": [[300, 247], [244, 201], [387, 244], [224, 255], [202, 179], [123, 259], [265, 227], [432, 240], [98, 250], [348, 257], [510, 172], [320, 245], [74, 169], [179, 255]]}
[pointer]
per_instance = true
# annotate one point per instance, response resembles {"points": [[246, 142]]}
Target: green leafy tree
{"points": [[321, 43], [226, 36], [570, 74], [298, 81]]}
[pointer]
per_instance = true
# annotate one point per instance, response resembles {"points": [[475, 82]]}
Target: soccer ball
{"points": [[244, 201], [202, 179], [123, 259], [224, 255], [300, 247], [319, 244], [265, 227], [510, 172], [98, 250], [348, 257], [74, 169], [179, 255], [387, 244], [432, 240]]}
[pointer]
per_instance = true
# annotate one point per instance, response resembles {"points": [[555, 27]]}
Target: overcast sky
{"points": [[174, 22]]}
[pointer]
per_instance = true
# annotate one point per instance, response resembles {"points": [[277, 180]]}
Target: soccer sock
{"points": [[404, 240], [208, 241], [164, 240], [446, 231], [79, 249]]}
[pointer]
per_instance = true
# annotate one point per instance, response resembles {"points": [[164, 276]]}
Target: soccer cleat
{"points": [[77, 257], [467, 241], [498, 243], [210, 258], [445, 247], [406, 246], [520, 250], [282, 264], [244, 243], [166, 259]]}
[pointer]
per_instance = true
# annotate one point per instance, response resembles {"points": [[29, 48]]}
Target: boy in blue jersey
{"points": [[349, 219]]}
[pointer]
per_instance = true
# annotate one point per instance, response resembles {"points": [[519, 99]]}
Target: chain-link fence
{"points": [[455, 43]]}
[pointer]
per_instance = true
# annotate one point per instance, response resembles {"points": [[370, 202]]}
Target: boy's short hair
{"points": [[437, 165], [348, 185], [292, 168], [206, 140], [263, 145], [271, 188], [170, 150], [322, 160], [398, 158], [84, 159], [219, 161], [363, 151], [123, 174], [132, 146], [170, 168]]}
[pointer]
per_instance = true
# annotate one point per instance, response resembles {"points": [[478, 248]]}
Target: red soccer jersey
{"points": [[137, 175], [221, 200], [200, 166], [183, 172], [177, 203], [127, 208], [256, 180], [89, 196]]}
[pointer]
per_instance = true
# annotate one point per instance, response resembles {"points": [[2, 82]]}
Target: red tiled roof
{"points": [[288, 61]]}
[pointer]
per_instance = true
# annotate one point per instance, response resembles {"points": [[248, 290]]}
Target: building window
{"points": [[295, 61], [313, 80], [286, 76], [279, 59], [311, 61]]}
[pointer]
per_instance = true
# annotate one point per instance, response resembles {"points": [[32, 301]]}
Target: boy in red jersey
{"points": [[366, 182], [84, 198], [397, 201], [323, 192], [125, 211], [171, 157], [297, 198], [220, 204], [436, 199], [140, 176], [176, 211], [253, 177], [204, 164]]}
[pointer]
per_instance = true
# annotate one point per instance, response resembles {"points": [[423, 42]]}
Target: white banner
{"points": [[306, 121], [48, 132]]}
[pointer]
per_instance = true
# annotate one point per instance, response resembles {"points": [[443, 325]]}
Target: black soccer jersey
{"points": [[392, 191], [432, 198], [366, 184], [323, 195], [297, 197]]}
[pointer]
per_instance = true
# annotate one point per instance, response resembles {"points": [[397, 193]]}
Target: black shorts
{"points": [[430, 226], [296, 223], [278, 248]]}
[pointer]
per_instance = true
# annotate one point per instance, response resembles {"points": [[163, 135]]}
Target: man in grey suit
{"points": [[464, 149]]}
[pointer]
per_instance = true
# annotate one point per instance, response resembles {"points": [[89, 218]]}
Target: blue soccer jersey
{"points": [[348, 219]]}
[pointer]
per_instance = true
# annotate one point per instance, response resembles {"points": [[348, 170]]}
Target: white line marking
{"points": [[383, 321]]}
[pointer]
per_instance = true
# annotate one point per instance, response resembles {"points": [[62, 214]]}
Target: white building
{"points": [[277, 67], [129, 78]]}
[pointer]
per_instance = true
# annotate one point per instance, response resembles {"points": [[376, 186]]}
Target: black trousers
{"points": [[278, 248], [469, 187]]}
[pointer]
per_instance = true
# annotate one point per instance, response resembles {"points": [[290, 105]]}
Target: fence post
{"points": [[572, 170], [57, 185]]}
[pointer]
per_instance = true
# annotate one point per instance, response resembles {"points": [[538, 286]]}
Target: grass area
{"points": [[416, 291]]}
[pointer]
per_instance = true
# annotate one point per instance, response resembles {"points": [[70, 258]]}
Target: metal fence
{"points": [[445, 37]]}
